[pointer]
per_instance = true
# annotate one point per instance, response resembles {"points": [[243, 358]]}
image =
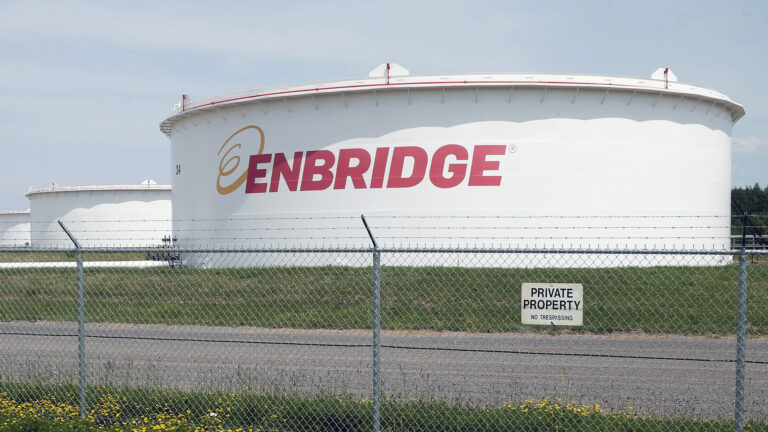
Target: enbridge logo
{"points": [[362, 168], [228, 166]]}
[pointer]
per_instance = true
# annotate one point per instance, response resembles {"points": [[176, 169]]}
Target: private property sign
{"points": [[552, 304]]}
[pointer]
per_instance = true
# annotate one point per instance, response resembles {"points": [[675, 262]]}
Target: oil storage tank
{"points": [[14, 228], [536, 160], [101, 215]]}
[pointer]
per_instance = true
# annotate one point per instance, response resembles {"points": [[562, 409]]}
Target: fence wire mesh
{"points": [[283, 339]]}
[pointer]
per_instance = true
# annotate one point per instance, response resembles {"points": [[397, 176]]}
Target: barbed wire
{"points": [[227, 233], [375, 216], [91, 239], [382, 217], [563, 230], [394, 227]]}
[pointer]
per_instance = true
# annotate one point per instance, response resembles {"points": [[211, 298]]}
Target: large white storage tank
{"points": [[14, 228], [511, 159], [101, 216]]}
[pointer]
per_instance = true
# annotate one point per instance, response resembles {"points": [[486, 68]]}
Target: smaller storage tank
{"points": [[101, 216], [14, 228]]}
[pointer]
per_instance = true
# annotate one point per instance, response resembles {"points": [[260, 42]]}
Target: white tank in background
{"points": [[492, 160], [103, 215], [14, 228]]}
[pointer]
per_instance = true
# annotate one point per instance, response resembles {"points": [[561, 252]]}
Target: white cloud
{"points": [[749, 144]]}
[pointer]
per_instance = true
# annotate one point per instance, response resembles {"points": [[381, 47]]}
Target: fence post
{"points": [[80, 320], [376, 330], [741, 339]]}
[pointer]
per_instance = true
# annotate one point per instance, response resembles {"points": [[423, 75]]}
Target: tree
{"points": [[754, 201]]}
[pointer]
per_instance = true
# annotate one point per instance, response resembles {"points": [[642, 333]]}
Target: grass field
{"points": [[125, 409], [684, 300]]}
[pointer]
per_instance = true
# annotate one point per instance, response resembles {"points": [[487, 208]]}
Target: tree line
{"points": [[752, 200]]}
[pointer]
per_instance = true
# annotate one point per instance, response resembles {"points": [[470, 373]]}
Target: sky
{"points": [[84, 84]]}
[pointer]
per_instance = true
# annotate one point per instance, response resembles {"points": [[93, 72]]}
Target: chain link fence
{"points": [[390, 339]]}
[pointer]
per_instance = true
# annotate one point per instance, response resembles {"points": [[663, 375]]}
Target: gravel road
{"points": [[670, 375]]}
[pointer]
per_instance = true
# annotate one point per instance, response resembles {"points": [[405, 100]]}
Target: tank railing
{"points": [[56, 188], [449, 80]]}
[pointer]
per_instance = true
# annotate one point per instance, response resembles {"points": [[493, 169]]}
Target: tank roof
{"points": [[394, 82], [97, 188]]}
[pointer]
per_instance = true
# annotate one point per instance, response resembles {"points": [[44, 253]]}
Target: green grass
{"points": [[684, 300], [35, 408]]}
